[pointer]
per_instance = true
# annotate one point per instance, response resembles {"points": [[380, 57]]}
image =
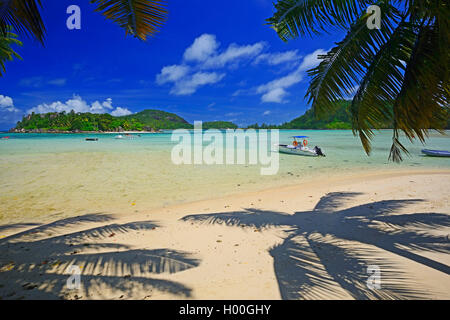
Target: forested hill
{"points": [[158, 119], [339, 119], [153, 120], [147, 120]]}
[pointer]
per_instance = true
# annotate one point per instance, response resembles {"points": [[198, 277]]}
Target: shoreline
{"points": [[86, 132], [311, 183], [243, 246]]}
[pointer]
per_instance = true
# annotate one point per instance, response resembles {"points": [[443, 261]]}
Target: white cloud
{"points": [[283, 82], [312, 60], [172, 73], [266, 113], [202, 48], [103, 107], [6, 101], [188, 85], [204, 53], [278, 57], [274, 91], [77, 104], [8, 112], [233, 54], [275, 95], [121, 112]]}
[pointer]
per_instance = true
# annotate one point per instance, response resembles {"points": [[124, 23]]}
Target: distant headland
{"points": [[148, 120], [154, 121]]}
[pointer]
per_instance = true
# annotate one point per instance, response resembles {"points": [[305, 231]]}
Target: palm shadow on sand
{"points": [[116, 266], [316, 255]]}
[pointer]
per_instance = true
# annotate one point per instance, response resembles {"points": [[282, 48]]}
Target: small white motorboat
{"points": [[119, 137], [300, 148]]}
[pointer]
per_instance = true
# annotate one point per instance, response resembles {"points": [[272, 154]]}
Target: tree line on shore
{"points": [[155, 120]]}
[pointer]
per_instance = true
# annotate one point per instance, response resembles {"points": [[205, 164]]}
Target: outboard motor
{"points": [[318, 151]]}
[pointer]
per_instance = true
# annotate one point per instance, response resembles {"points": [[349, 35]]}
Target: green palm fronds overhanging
{"points": [[141, 18], [400, 70], [7, 53]]}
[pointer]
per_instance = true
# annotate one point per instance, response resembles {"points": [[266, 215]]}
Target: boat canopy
{"points": [[300, 137]]}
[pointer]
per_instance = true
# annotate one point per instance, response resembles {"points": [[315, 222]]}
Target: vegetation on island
{"points": [[153, 120], [157, 119], [146, 120], [339, 119]]}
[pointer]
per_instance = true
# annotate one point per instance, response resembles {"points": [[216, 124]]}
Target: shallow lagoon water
{"points": [[50, 176]]}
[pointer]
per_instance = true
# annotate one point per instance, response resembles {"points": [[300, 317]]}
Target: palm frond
{"points": [[141, 18], [422, 103], [372, 105], [24, 17], [344, 65], [400, 70], [7, 53], [300, 17]]}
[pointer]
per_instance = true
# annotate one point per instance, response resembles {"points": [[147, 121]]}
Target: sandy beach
{"points": [[295, 242], [229, 151]]}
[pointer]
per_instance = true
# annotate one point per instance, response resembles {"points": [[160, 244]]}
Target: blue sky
{"points": [[212, 60]]}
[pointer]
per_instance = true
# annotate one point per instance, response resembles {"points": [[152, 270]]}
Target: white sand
{"points": [[302, 242]]}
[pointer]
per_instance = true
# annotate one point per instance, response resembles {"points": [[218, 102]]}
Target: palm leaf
{"points": [[422, 101], [7, 53], [23, 16], [400, 70], [141, 18], [372, 105], [343, 66], [300, 17]]}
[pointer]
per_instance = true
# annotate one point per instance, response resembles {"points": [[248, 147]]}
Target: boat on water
{"points": [[126, 136], [436, 153], [91, 139], [299, 147]]}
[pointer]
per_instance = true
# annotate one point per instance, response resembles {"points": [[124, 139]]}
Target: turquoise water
{"points": [[48, 175]]}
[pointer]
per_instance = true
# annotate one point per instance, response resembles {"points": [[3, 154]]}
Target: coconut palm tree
{"points": [[7, 53], [141, 18], [397, 74]]}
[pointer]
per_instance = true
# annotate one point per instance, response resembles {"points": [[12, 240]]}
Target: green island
{"points": [[146, 120], [156, 120]]}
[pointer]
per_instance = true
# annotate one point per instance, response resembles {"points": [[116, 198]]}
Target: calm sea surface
{"points": [[59, 175]]}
